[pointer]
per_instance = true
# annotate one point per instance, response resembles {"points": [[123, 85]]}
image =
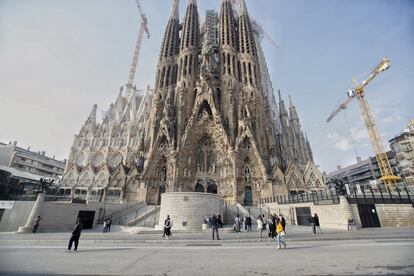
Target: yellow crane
{"points": [[387, 176], [143, 28]]}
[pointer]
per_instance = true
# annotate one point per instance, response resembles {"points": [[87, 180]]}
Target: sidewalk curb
{"points": [[96, 241]]}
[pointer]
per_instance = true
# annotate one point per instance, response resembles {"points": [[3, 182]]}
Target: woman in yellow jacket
{"points": [[280, 234]]}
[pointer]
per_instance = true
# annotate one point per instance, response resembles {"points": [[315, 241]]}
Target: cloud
{"points": [[358, 134], [391, 119], [339, 142]]}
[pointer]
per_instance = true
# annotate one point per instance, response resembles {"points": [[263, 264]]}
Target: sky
{"points": [[59, 57]]}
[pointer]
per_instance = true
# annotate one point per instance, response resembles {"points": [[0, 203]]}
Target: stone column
{"points": [[234, 156], [37, 207]]}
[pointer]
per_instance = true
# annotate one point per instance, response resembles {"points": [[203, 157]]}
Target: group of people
{"points": [[314, 222], [214, 222], [107, 225], [274, 224], [240, 224], [270, 224]]}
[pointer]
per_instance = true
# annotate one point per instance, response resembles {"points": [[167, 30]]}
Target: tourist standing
{"points": [[317, 225], [249, 223], [274, 218], [312, 223], [259, 223], [237, 223], [220, 221], [104, 225], [36, 224], [75, 236], [280, 236], [283, 222], [108, 224], [214, 226], [167, 227], [264, 220], [269, 227]]}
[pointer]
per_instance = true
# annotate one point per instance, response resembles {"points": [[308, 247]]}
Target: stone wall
{"points": [[330, 216], [188, 209], [61, 216], [395, 215], [15, 217]]}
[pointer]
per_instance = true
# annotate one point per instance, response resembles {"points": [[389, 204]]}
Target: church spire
{"points": [[243, 8], [282, 108], [227, 25], [167, 68], [174, 14], [292, 111]]}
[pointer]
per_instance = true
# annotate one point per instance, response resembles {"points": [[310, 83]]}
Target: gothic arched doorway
{"points": [[199, 187], [212, 187]]}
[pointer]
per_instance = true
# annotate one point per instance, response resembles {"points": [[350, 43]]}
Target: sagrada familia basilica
{"points": [[210, 124]]}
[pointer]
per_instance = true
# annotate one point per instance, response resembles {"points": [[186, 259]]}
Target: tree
{"points": [[339, 186]]}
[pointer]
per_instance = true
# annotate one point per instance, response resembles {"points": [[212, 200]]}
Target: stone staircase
{"points": [[147, 217]]}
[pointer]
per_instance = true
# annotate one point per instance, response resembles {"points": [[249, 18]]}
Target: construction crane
{"points": [[387, 176], [143, 28], [236, 3]]}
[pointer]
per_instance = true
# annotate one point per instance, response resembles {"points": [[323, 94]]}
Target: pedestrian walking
{"points": [[280, 236], [108, 224], [167, 227], [214, 226], [36, 224], [259, 223], [75, 236], [317, 225], [104, 225], [237, 223], [312, 223], [244, 226]]}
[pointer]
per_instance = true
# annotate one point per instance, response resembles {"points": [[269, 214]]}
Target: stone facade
{"points": [[213, 123]]}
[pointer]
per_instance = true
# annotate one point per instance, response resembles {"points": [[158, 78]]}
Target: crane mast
{"points": [[143, 28], [387, 175]]}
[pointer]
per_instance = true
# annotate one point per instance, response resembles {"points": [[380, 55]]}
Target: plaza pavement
{"points": [[375, 251]]}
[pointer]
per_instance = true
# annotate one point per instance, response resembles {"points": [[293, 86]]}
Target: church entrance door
{"points": [[248, 196]]}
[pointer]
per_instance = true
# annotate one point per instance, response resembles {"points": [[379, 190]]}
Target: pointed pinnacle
{"points": [[174, 14], [243, 8], [189, 2], [290, 102]]}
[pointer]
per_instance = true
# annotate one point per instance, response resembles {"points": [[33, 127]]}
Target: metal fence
{"points": [[317, 198], [381, 196]]}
